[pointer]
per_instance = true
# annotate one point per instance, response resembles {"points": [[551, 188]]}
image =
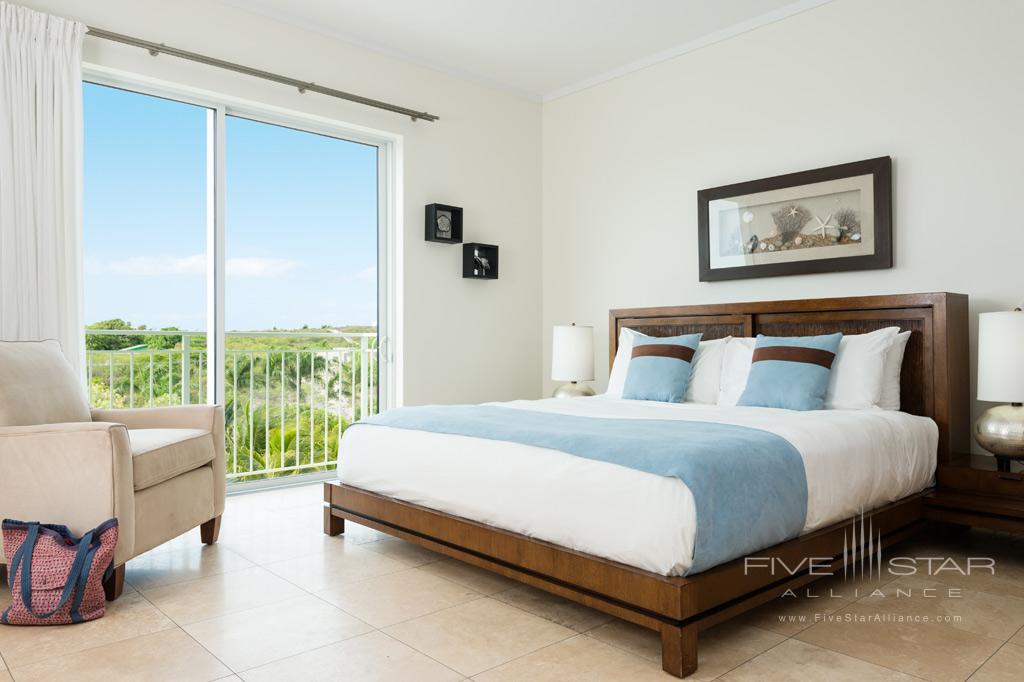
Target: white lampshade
{"points": [[572, 353], [1001, 357]]}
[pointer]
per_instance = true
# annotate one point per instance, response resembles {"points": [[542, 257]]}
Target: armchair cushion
{"points": [[159, 455], [38, 386]]}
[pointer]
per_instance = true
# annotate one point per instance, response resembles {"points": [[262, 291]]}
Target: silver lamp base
{"points": [[572, 390], [1000, 430]]}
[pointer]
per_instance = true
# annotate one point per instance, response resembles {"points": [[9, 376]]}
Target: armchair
{"points": [[160, 471]]}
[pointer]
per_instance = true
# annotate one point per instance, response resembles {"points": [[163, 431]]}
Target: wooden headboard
{"points": [[935, 380]]}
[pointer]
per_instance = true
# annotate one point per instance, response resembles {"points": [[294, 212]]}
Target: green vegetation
{"points": [[288, 397]]}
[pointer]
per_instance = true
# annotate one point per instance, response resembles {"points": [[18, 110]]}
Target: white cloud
{"points": [[159, 265], [191, 265], [259, 267]]}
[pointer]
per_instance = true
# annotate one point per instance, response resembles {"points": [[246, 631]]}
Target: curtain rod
{"points": [[302, 86]]}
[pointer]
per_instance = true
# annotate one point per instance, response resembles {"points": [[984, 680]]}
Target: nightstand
{"points": [[977, 494]]}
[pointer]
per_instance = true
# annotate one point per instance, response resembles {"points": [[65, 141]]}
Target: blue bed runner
{"points": [[749, 485]]}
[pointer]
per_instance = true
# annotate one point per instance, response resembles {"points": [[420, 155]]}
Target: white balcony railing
{"points": [[288, 395]]}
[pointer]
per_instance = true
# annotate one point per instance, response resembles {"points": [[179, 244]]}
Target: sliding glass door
{"points": [[145, 216], [301, 293], [233, 259]]}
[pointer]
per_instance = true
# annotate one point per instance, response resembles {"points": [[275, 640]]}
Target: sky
{"points": [[301, 219]]}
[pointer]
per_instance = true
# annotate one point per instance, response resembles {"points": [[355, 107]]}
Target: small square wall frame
{"points": [[479, 261], [433, 231]]}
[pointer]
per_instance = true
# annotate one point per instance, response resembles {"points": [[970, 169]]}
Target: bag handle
{"points": [[27, 548], [83, 578]]}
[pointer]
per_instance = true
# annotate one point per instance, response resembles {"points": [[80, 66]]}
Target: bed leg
{"points": [[679, 650], [333, 525]]}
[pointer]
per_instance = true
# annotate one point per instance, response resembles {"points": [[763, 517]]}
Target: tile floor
{"points": [[278, 600]]}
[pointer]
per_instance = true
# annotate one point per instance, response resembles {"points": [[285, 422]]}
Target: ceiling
{"points": [[539, 48]]}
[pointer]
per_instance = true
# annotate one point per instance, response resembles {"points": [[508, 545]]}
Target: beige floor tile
{"points": [[158, 568], [562, 611], [1007, 552], [344, 563], [796, 661], [129, 616], [267, 545], [719, 649], [408, 553], [478, 635], [628, 637], [248, 639], [790, 615], [1018, 639], [370, 658], [397, 597], [280, 499], [220, 594], [1007, 665], [484, 582], [579, 659], [170, 655], [254, 520], [934, 651], [996, 616]]}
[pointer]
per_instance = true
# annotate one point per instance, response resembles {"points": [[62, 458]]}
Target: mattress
{"points": [[855, 460]]}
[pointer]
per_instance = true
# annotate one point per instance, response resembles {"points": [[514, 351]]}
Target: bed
{"points": [[622, 540]]}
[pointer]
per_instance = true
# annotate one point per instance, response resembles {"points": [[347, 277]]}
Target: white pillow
{"points": [[706, 372], [617, 377], [705, 375], [735, 367], [855, 382], [890, 398]]}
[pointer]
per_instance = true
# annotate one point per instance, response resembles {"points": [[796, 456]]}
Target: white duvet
{"points": [[855, 460]]}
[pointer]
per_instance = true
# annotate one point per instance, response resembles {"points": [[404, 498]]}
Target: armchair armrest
{"points": [[207, 417], [76, 474], [174, 417]]}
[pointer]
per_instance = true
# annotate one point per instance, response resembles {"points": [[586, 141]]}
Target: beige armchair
{"points": [[159, 470]]}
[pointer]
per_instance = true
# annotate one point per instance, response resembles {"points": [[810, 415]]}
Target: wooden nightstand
{"points": [[976, 494]]}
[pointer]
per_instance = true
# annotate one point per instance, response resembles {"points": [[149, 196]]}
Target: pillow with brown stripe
{"points": [[659, 368], [790, 372]]}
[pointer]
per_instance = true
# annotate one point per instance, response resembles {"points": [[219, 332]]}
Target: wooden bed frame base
{"points": [[677, 608], [934, 382]]}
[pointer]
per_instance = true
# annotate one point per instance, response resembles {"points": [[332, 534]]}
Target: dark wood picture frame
{"points": [[430, 227], [881, 171], [934, 383]]}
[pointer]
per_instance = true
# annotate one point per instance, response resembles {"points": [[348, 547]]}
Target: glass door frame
{"points": [[389, 215]]}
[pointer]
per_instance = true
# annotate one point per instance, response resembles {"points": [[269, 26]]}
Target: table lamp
{"points": [[1000, 429], [572, 359]]}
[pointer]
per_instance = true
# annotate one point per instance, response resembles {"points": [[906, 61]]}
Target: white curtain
{"points": [[41, 179]]}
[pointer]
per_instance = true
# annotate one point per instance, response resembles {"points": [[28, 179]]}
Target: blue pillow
{"points": [[790, 372], [659, 368]]}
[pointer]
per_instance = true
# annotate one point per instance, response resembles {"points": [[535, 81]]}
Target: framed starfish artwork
{"points": [[823, 220]]}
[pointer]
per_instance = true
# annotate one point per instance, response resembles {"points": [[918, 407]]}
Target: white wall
{"points": [[484, 155], [936, 85]]}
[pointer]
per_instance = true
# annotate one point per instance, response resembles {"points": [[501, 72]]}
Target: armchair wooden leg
{"points": [[114, 585], [333, 525], [210, 530], [679, 650]]}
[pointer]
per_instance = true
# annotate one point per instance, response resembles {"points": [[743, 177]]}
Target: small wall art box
{"points": [[443, 224], [822, 220], [479, 261]]}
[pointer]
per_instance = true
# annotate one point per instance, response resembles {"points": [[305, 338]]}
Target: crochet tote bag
{"points": [[55, 577]]}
